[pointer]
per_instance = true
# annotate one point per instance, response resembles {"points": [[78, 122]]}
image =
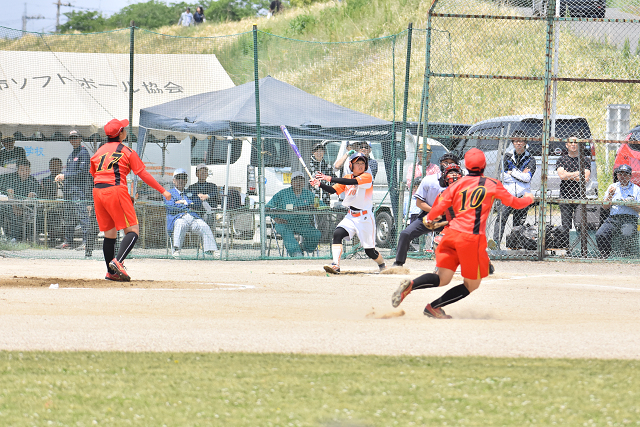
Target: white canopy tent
{"points": [[50, 92]]}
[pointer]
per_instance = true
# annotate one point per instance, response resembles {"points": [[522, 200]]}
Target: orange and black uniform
{"points": [[110, 166], [465, 242]]}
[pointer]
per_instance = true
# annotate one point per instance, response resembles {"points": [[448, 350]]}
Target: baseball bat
{"points": [[295, 148]]}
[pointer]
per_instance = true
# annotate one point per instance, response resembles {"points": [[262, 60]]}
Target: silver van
{"points": [[492, 136]]}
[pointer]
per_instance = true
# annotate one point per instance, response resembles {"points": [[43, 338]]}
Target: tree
{"points": [[85, 22], [233, 10], [152, 14]]}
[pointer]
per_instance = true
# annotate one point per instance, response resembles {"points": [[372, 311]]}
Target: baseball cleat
{"points": [[436, 313], [401, 293], [115, 277], [382, 267], [492, 269], [333, 269], [120, 270]]}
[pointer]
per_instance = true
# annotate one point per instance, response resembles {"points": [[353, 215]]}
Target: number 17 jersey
{"points": [[471, 198]]}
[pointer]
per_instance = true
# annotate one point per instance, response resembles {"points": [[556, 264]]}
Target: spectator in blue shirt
{"points": [[622, 220]]}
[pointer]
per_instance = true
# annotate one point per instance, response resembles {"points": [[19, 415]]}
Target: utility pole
{"points": [[58, 13], [25, 18]]}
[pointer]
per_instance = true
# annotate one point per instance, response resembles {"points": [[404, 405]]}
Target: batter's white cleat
{"points": [[333, 269], [401, 293]]}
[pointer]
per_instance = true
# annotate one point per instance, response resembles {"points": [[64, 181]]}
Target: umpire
{"points": [[430, 187], [76, 189]]}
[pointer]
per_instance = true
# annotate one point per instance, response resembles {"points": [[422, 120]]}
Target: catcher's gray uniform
{"points": [[428, 191]]}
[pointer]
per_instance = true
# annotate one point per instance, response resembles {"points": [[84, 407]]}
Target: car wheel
{"points": [[384, 229]]}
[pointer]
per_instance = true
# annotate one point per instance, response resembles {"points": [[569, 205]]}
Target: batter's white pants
{"points": [[195, 225]]}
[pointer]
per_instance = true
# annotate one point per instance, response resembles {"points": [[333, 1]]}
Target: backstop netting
{"points": [[549, 92]]}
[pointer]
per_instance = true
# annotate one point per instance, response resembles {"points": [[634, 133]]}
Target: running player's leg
{"points": [[474, 265]]}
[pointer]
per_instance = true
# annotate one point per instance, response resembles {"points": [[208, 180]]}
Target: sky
{"points": [[13, 11]]}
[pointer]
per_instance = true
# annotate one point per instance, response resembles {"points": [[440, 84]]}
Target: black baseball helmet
{"points": [[356, 156], [448, 156]]}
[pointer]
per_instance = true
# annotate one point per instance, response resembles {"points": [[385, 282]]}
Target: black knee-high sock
{"points": [[451, 296], [428, 280], [109, 250], [128, 241]]}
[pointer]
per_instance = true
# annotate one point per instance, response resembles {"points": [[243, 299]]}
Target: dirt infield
{"points": [[527, 309]]}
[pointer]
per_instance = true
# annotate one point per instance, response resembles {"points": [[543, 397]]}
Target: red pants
{"points": [[114, 208], [469, 251]]}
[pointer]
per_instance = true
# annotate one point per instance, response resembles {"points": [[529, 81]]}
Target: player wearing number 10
{"points": [[465, 243], [114, 209]]}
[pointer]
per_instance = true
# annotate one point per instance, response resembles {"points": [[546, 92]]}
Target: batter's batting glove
{"points": [[437, 223], [351, 152]]}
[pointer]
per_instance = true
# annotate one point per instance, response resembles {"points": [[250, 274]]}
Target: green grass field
{"points": [[186, 389]]}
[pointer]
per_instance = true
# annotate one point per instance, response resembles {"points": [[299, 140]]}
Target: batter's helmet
{"points": [[356, 156], [475, 161]]}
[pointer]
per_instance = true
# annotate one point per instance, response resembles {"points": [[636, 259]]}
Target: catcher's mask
{"points": [[354, 157], [452, 172], [448, 156]]}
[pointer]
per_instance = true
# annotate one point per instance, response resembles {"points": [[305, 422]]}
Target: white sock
{"points": [[336, 252]]}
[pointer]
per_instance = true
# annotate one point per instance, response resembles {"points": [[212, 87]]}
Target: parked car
{"points": [[629, 154], [573, 8], [501, 129]]}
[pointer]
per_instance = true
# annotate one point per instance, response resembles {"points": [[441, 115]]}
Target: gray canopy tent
{"points": [[232, 112]]}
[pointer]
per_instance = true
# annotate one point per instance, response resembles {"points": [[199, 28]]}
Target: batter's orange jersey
{"points": [[111, 164], [358, 196], [471, 198]]}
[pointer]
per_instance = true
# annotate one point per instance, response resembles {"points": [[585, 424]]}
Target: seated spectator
{"points": [[207, 192], [21, 185], [431, 169], [55, 229], [288, 225], [318, 164], [622, 220], [9, 156], [182, 216], [49, 184]]}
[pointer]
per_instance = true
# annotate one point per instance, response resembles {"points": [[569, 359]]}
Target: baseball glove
{"points": [[439, 222]]}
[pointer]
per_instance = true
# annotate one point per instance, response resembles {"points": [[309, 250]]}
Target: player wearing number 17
{"points": [[110, 166], [465, 243]]}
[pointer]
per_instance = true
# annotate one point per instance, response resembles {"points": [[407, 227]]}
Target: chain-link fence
{"points": [[518, 80], [549, 90]]}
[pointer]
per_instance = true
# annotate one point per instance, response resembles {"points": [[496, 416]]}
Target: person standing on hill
{"points": [[186, 19], [112, 203]]}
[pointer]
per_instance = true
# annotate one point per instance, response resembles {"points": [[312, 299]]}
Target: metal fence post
{"points": [[261, 198], [131, 57], [400, 223], [546, 130]]}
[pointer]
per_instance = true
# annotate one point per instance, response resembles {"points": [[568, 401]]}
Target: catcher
{"points": [[429, 190], [465, 242]]}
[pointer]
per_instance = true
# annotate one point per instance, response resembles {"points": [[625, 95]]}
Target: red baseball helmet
{"points": [[474, 160]]}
